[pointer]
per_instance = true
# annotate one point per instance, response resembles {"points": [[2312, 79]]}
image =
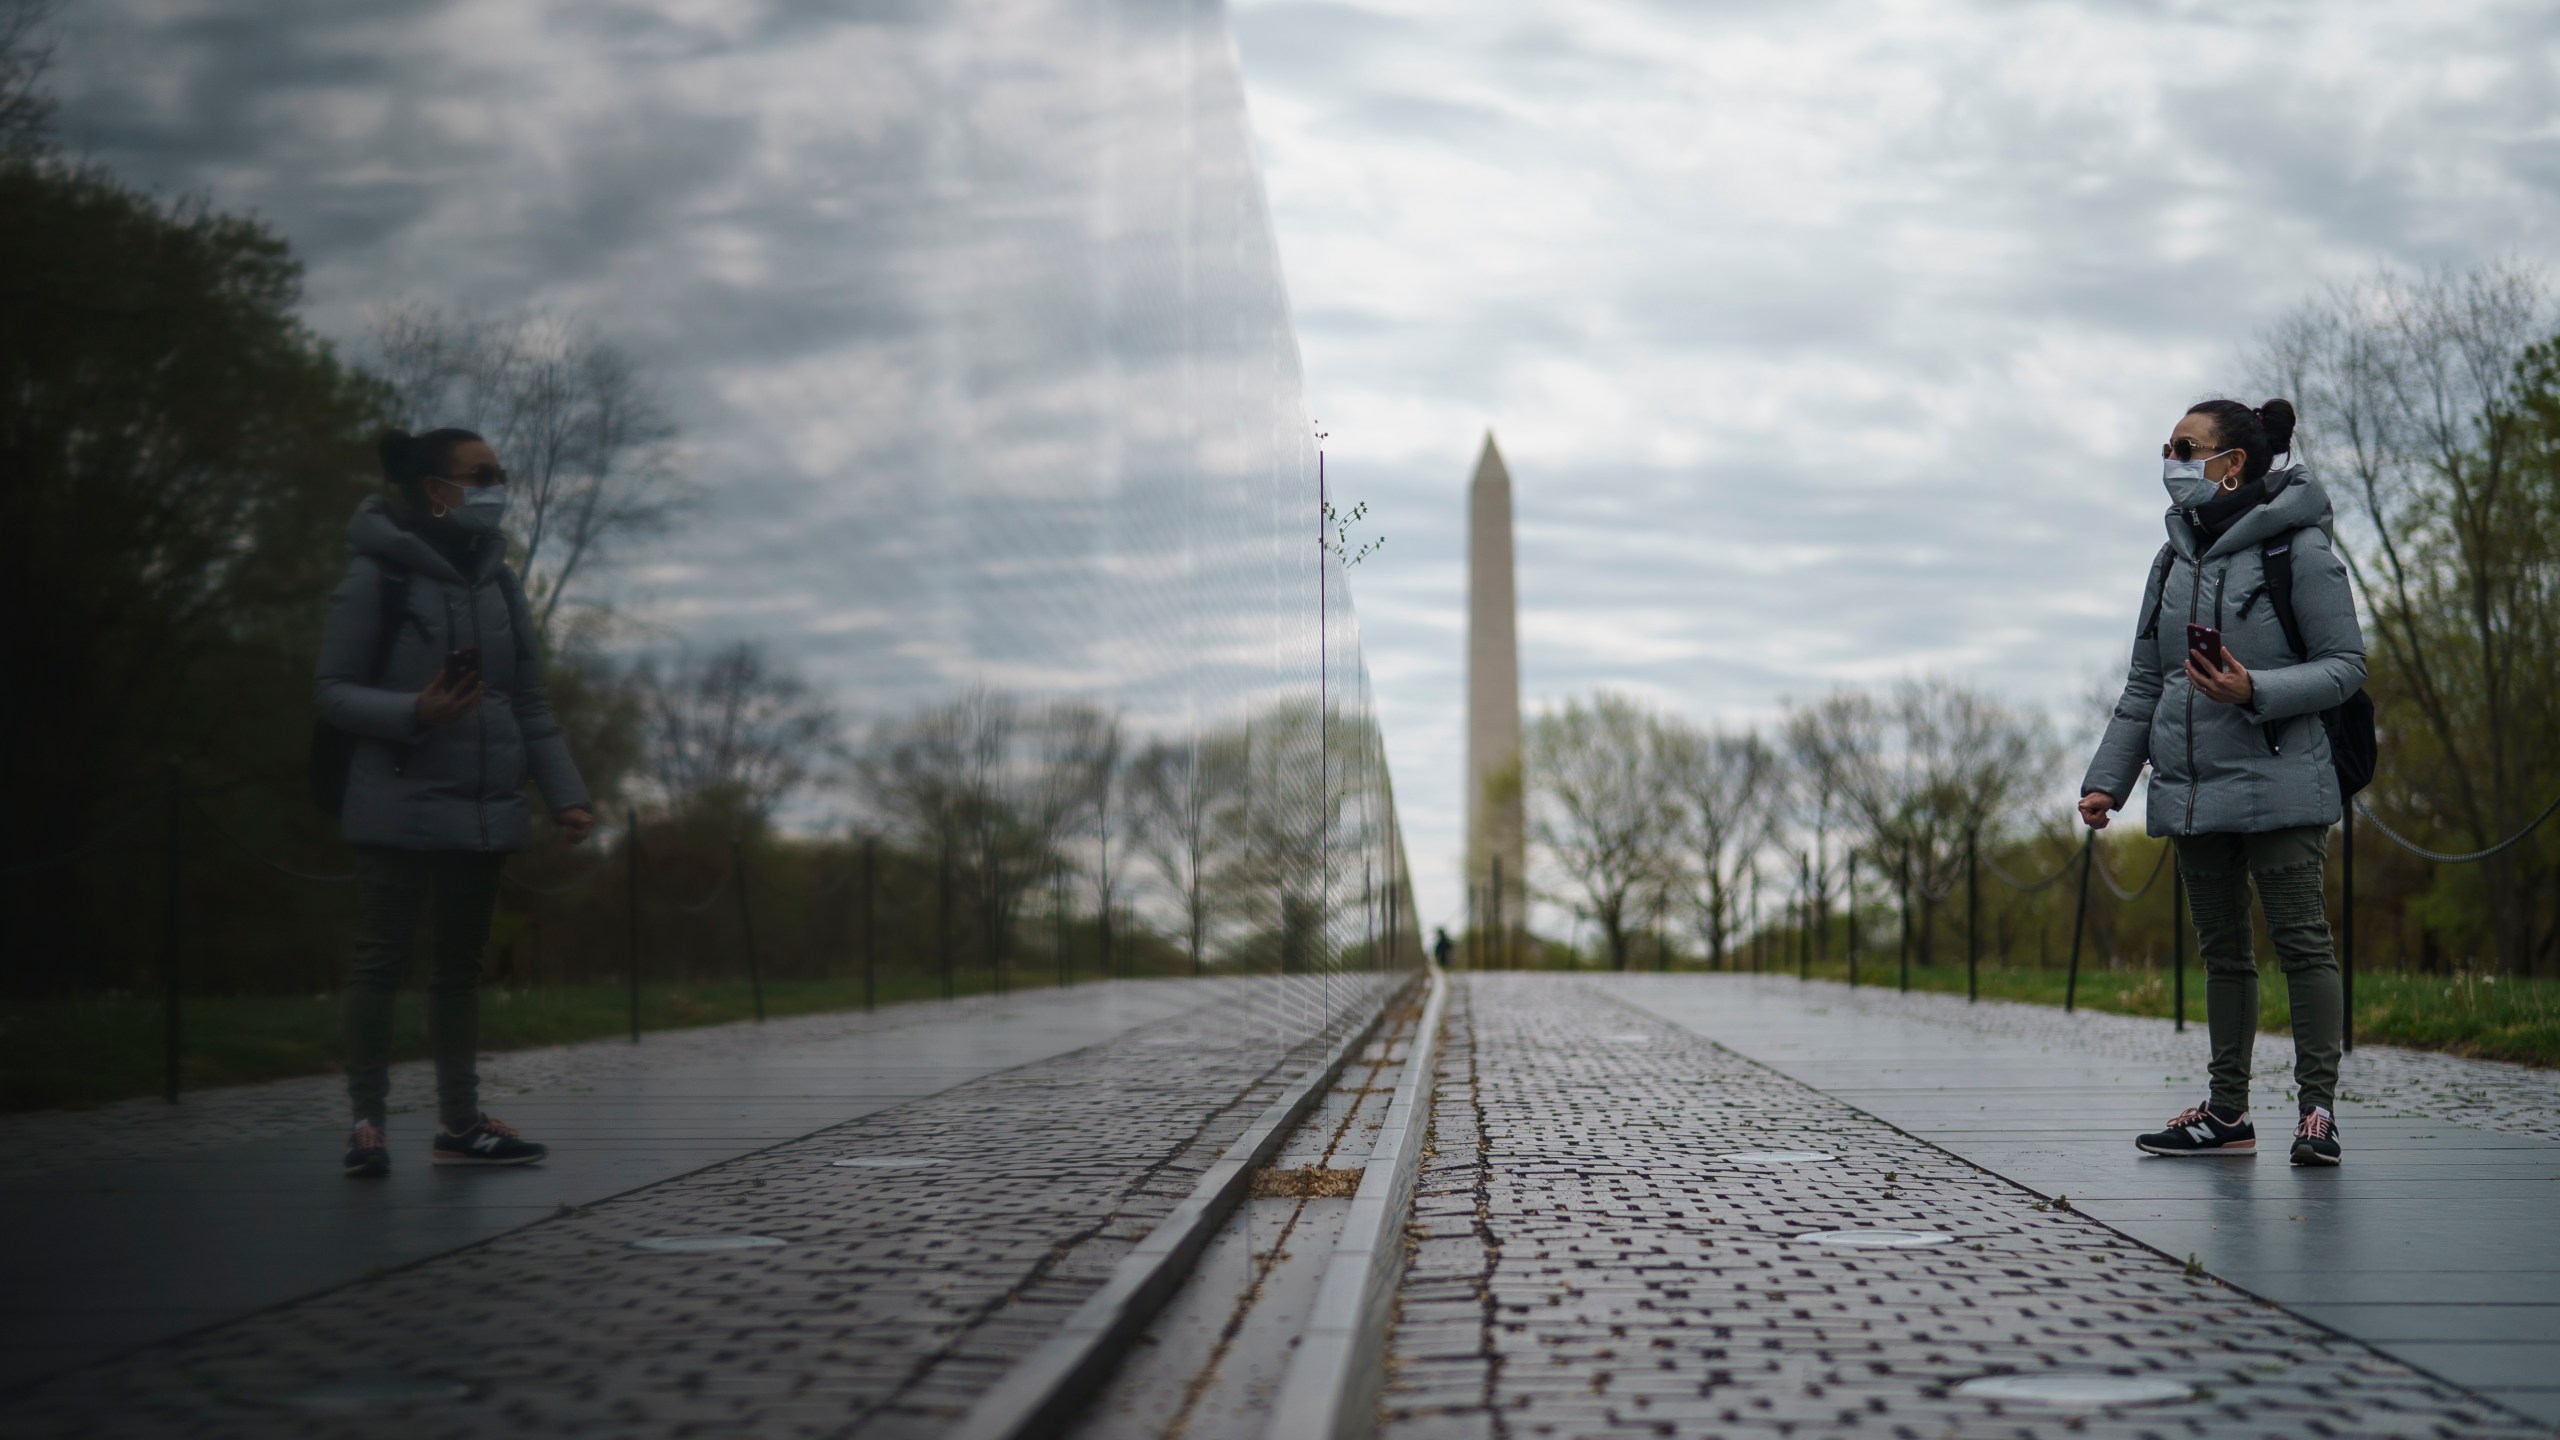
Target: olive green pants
{"points": [[394, 888], [2286, 866]]}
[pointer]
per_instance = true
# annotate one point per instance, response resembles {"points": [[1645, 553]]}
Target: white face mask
{"points": [[2185, 480], [484, 508]]}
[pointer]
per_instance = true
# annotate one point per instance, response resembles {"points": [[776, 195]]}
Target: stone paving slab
{"points": [[1588, 1258], [160, 1219], [2417, 1192], [899, 1293]]}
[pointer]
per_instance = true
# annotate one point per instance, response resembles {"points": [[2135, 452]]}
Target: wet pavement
{"points": [[1627, 1228], [1000, 1159]]}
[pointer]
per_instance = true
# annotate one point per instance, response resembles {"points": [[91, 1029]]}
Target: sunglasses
{"points": [[2181, 448], [496, 475]]}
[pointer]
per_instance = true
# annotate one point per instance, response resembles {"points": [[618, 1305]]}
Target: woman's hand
{"points": [[2094, 807], [449, 697], [2227, 681], [575, 822]]}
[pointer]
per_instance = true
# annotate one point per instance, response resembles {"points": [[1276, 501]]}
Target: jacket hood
{"points": [[377, 531], [2298, 501]]}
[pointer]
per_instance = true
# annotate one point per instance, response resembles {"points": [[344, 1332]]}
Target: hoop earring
{"points": [[437, 510]]}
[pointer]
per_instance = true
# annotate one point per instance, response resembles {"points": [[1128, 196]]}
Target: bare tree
{"points": [[26, 53], [1185, 797], [589, 445], [1727, 784], [1922, 772], [732, 731], [1072, 795], [1600, 809], [2426, 410]]}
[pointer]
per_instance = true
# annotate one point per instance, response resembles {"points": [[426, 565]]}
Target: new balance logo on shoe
{"points": [[486, 1142], [2201, 1132]]}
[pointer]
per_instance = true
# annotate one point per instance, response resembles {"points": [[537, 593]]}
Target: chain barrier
{"points": [[2029, 886], [2423, 853], [245, 848], [91, 846], [717, 888], [2158, 862], [585, 879]]}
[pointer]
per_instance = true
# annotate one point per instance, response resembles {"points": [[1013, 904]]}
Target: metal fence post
{"points": [[2079, 920], [1853, 919], [942, 907], [1804, 938], [1972, 920], [1904, 882], [747, 924], [2347, 917], [2178, 937], [631, 921], [870, 967], [172, 927]]}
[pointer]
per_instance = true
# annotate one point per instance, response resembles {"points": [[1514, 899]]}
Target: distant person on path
{"points": [[1441, 949], [449, 721], [2227, 713]]}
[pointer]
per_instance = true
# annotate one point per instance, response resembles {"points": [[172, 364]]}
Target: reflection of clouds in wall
{"points": [[970, 313]]}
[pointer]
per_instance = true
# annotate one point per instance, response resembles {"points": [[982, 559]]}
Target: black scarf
{"points": [[2217, 515], [459, 547]]}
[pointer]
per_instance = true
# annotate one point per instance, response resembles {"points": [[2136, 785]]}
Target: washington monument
{"points": [[1495, 832]]}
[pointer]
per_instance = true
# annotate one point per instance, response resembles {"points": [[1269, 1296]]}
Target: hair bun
{"points": [[393, 447], [2279, 419]]}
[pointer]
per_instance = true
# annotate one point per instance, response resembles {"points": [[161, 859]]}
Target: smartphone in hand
{"points": [[463, 666], [2206, 641]]}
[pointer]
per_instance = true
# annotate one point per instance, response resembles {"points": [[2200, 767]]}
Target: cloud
{"points": [[1826, 343], [1830, 343]]}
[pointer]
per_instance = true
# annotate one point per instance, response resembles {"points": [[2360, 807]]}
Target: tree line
{"points": [[2431, 412]]}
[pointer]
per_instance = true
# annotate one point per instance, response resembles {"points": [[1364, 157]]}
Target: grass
{"points": [[2486, 1017], [85, 1052]]}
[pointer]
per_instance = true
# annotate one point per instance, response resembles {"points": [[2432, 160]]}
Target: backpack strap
{"points": [[391, 612], [2155, 588], [2276, 559]]}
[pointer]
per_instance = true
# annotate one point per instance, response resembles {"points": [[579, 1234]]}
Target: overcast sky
{"points": [[1831, 343], [1827, 344]]}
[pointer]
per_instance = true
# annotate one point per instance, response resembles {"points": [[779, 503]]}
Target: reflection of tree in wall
{"points": [[1073, 787], [1187, 808], [586, 438], [731, 736], [180, 456]]}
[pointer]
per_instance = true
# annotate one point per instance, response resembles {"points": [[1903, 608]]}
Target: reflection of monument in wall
{"points": [[1496, 845]]}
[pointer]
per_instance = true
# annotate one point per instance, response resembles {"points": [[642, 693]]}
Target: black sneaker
{"points": [[487, 1142], [2315, 1140], [368, 1154], [2201, 1132]]}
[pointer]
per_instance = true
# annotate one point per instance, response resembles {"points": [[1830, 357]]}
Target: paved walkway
{"points": [[2435, 1242], [1595, 1252], [1004, 1153]]}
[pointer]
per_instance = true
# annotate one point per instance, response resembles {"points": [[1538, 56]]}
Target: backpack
{"points": [[2349, 722], [333, 750]]}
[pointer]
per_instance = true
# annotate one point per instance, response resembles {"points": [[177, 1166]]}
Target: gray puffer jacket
{"points": [[2238, 769], [451, 787]]}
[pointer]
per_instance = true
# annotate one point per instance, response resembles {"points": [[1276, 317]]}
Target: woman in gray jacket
{"points": [[450, 721], [2239, 757]]}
